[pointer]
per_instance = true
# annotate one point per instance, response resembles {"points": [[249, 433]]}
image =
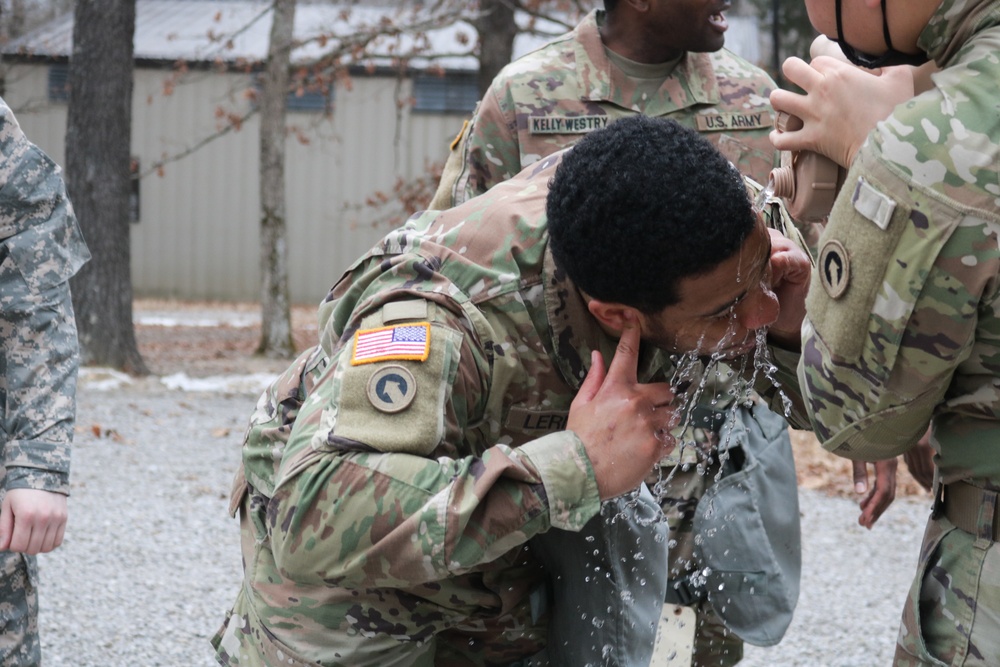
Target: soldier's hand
{"points": [[32, 521], [919, 460], [789, 276], [624, 425], [921, 74], [841, 106], [877, 500]]}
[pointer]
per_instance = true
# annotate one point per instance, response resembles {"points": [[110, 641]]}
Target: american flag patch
{"points": [[406, 341]]}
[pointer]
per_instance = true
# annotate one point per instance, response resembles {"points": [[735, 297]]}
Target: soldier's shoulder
{"points": [[547, 61], [730, 66]]}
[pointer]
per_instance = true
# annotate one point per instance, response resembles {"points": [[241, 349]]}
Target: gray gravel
{"points": [[151, 562]]}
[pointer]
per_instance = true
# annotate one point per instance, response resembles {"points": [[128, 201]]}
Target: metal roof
{"points": [[235, 31]]}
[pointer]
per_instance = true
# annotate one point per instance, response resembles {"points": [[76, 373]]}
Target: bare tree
{"points": [[276, 327], [397, 37], [497, 28], [98, 178]]}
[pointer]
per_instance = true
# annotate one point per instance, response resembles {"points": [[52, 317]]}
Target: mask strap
{"points": [[840, 23], [885, 26]]}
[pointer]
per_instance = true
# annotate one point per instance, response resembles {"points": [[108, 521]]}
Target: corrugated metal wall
{"points": [[197, 237]]}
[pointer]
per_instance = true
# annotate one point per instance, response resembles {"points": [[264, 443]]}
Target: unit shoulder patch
{"points": [[391, 389], [834, 268]]}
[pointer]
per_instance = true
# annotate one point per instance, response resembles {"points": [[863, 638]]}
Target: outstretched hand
{"points": [[32, 521], [624, 425], [841, 106]]}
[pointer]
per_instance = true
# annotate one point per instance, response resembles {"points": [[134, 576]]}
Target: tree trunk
{"points": [[497, 29], [98, 179], [276, 327]]}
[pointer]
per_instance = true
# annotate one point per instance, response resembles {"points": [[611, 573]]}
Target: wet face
{"points": [[721, 310], [688, 25]]}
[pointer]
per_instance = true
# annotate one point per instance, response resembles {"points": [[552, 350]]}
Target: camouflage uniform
{"points": [[377, 536], [549, 99], [904, 323], [41, 248]]}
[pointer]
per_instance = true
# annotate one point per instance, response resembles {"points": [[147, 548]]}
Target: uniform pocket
{"points": [[911, 639], [45, 240], [874, 261]]}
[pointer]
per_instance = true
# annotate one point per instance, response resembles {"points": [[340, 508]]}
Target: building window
{"points": [[59, 83], [451, 93], [309, 100], [134, 208]]}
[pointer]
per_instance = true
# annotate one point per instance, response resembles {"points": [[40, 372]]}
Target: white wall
{"points": [[197, 237]]}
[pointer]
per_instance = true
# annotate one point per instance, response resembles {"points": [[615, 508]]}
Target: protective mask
{"points": [[890, 58]]}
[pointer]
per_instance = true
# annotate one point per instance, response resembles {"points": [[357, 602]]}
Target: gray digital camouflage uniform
{"points": [[373, 536], [41, 249], [549, 99], [904, 326]]}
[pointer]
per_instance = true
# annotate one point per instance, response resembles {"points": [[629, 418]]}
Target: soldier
{"points": [[41, 249], [663, 58], [396, 479], [903, 311]]}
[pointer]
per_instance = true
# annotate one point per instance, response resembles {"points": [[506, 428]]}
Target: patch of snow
{"points": [[102, 379], [197, 319], [252, 383]]}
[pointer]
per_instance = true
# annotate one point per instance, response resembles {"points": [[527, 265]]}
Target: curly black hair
{"points": [[635, 207]]}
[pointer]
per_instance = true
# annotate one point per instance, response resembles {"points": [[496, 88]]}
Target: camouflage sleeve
{"points": [[41, 249], [492, 150], [373, 495], [903, 287]]}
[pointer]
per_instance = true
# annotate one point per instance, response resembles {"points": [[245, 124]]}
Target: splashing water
{"points": [[697, 372], [760, 201], [762, 363]]}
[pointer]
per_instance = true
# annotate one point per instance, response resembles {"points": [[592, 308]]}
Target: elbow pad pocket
{"points": [[887, 433]]}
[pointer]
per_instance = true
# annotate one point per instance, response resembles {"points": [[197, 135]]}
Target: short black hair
{"points": [[641, 204], [609, 5]]}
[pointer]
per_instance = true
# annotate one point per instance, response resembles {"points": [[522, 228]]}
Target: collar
{"points": [[575, 333], [692, 81]]}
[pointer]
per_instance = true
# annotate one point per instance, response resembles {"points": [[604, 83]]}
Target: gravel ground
{"points": [[151, 562]]}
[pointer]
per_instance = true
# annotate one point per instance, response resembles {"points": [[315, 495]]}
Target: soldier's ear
{"points": [[611, 316], [638, 5]]}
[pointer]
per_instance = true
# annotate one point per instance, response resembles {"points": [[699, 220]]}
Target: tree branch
{"points": [[156, 167]]}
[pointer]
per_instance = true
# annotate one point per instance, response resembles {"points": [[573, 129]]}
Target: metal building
{"points": [[196, 220]]}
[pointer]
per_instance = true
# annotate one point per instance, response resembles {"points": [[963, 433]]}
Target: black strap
{"points": [[684, 592]]}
